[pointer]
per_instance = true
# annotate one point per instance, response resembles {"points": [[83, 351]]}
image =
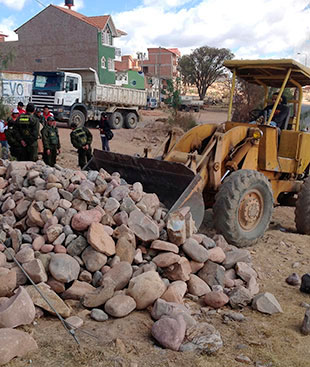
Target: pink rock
{"points": [[195, 266], [164, 246], [179, 271], [197, 286], [175, 292], [15, 343], [2, 247], [7, 282], [146, 288], [35, 269], [166, 259], [100, 240], [18, 310], [244, 271], [108, 229], [60, 249], [75, 321], [55, 285], [2, 259], [216, 299], [38, 242], [82, 220], [35, 216], [47, 248], [216, 254], [169, 332]]}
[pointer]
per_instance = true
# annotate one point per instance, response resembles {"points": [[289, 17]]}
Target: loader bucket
{"points": [[174, 183]]}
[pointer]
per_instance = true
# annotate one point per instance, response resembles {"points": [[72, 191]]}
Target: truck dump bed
{"points": [[105, 94]]}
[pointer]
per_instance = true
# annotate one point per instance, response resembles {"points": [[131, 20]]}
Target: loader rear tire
{"points": [[302, 210], [243, 207]]}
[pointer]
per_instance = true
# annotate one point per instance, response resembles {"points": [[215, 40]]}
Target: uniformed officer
{"points": [[27, 133], [51, 142], [10, 133], [81, 139]]}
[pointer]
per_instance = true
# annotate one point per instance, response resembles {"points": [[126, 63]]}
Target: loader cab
{"points": [[290, 143]]}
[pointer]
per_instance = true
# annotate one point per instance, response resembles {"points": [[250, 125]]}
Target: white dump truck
{"points": [[189, 103], [75, 95]]}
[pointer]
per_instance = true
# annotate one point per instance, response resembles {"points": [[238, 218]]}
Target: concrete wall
{"points": [[53, 39], [15, 87]]}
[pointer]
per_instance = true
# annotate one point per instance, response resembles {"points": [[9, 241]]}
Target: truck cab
{"points": [[59, 90]]}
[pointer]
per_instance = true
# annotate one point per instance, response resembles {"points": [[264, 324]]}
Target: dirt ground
{"points": [[273, 341]]}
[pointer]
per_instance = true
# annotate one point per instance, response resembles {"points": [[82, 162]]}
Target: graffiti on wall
{"points": [[14, 91]]}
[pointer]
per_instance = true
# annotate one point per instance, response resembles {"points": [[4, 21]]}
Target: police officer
{"points": [[27, 133], [51, 143], [81, 139], [10, 133]]}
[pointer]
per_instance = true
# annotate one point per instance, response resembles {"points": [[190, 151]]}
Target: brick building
{"points": [[161, 62], [58, 37]]}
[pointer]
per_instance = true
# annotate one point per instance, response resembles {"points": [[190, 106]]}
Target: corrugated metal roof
{"points": [[271, 72]]}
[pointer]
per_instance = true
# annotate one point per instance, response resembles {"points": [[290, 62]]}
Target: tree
{"points": [[203, 67], [172, 95], [4, 62]]}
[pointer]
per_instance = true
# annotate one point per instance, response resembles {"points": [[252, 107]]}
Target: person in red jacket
{"points": [[20, 107], [47, 113], [3, 141]]}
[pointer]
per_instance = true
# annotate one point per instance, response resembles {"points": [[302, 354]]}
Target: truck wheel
{"points": [[243, 207], [302, 209], [116, 120], [78, 117], [131, 120]]}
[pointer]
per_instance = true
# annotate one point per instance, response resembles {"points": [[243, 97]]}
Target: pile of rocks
{"points": [[91, 237]]}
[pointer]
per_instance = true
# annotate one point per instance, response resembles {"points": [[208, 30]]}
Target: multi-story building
{"points": [[59, 37], [161, 62]]}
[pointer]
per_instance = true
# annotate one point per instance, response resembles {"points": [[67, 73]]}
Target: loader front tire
{"points": [[302, 210], [243, 207]]}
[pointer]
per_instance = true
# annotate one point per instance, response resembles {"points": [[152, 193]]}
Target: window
{"points": [[111, 64], [106, 37], [72, 83], [103, 63]]}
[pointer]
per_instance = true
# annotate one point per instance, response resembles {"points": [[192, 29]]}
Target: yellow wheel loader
{"points": [[239, 169]]}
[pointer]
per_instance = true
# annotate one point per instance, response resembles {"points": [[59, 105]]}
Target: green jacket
{"points": [[10, 133], [50, 137], [80, 137], [27, 128]]}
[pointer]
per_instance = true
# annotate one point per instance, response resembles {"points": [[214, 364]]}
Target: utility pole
{"points": [[159, 81]]}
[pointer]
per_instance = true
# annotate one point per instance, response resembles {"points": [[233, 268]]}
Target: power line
{"points": [[39, 2]]}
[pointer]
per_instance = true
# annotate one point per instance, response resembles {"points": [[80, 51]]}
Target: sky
{"points": [[249, 28]]}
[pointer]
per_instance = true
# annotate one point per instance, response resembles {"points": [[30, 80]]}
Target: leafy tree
{"points": [[172, 94], [203, 67], [5, 60]]}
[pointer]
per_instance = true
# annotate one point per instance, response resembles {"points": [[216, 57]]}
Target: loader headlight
{"points": [[257, 134]]}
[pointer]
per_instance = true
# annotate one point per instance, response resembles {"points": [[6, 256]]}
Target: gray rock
{"points": [[98, 315], [212, 274], [64, 268], [202, 338], [120, 306], [93, 259], [171, 309], [77, 246], [195, 251], [235, 255], [293, 279], [143, 227], [266, 303], [239, 297], [305, 327]]}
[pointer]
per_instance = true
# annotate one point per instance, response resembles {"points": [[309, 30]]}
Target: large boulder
{"points": [[146, 288], [17, 310], [15, 343]]}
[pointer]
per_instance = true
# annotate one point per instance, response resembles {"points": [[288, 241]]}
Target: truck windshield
{"points": [[49, 82]]}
